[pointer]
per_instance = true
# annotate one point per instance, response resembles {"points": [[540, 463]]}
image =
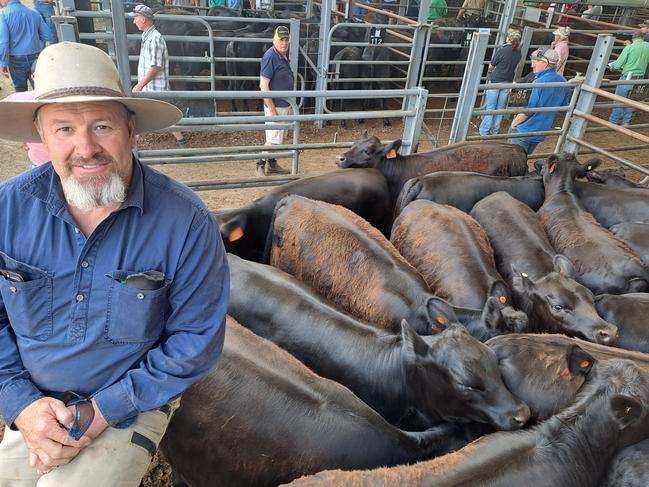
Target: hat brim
{"points": [[150, 115]]}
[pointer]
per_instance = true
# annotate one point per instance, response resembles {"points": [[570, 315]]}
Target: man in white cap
{"points": [[275, 75], [153, 65], [113, 282], [560, 45], [543, 62]]}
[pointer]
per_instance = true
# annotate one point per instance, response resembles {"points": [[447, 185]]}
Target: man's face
{"points": [[281, 45], [140, 22], [539, 65], [90, 146]]}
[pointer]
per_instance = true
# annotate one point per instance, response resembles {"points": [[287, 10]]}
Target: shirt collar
{"points": [[148, 32], [45, 185]]}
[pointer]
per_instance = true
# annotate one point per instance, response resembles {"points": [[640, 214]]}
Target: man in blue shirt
{"points": [[543, 63], [23, 32], [113, 282], [275, 74]]}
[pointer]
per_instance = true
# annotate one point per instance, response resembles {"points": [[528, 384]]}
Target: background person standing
{"points": [[502, 67], [153, 65], [22, 33], [275, 75], [543, 63], [46, 9], [560, 45], [633, 63]]}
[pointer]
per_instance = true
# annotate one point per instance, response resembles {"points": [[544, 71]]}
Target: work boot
{"points": [[273, 168], [260, 171]]}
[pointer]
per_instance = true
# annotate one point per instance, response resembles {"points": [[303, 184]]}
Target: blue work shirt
{"points": [[278, 71], [21, 31], [543, 97], [73, 325]]}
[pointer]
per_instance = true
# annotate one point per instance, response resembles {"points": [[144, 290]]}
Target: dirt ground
{"points": [[13, 160]]}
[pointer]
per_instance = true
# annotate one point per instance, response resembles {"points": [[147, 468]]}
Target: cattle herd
{"points": [[440, 319]]}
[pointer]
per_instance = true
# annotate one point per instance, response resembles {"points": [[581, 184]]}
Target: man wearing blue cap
{"points": [[276, 75]]}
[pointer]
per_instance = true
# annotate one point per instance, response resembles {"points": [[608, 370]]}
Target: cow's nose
{"points": [[607, 335], [521, 417], [340, 159]]}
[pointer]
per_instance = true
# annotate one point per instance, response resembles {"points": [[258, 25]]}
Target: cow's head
{"points": [[368, 152], [464, 372], [557, 303]]}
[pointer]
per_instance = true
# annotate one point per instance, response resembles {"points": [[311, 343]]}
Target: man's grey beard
{"points": [[90, 197]]}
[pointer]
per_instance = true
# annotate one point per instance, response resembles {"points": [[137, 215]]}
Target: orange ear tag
{"points": [[392, 154], [236, 234], [584, 364], [503, 299], [564, 373], [441, 320]]}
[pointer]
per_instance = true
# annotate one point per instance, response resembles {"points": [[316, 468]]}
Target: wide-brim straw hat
{"points": [[69, 72]]}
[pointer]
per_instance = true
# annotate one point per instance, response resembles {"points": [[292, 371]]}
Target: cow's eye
{"points": [[475, 388], [558, 307]]}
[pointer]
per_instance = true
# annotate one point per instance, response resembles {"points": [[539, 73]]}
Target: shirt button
{"points": [[79, 297], [84, 264], [13, 289], [76, 230], [140, 296]]}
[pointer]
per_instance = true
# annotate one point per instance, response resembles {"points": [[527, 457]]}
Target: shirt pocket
{"points": [[29, 303], [134, 315]]}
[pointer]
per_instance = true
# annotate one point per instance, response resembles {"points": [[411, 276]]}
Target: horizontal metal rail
{"points": [[610, 155]]}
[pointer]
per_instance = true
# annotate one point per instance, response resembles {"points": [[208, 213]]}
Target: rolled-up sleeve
{"points": [[194, 331]]}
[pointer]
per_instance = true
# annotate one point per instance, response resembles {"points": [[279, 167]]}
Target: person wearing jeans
{"points": [[501, 69], [633, 63], [46, 9]]}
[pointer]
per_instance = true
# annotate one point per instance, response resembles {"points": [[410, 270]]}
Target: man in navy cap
{"points": [[276, 75]]}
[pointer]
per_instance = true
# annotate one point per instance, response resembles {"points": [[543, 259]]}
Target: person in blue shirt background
{"points": [[113, 282], [46, 9], [23, 33], [543, 63]]}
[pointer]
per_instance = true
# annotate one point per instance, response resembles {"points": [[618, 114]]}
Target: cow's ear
{"points": [[234, 228], [563, 266], [521, 282], [551, 163], [538, 165], [411, 342], [626, 410], [500, 292], [579, 361], [491, 315], [390, 150], [592, 164], [440, 314], [365, 135]]}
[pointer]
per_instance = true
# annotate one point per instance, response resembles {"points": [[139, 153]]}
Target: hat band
{"points": [[79, 91]]}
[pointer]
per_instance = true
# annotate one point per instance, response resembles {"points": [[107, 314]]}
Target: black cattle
{"points": [[463, 190], [244, 229], [572, 448], [539, 278], [629, 467], [483, 157], [451, 252], [611, 206], [401, 376], [602, 262], [342, 71], [348, 261], [262, 418], [236, 69], [630, 313], [373, 69], [613, 177], [636, 235]]}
